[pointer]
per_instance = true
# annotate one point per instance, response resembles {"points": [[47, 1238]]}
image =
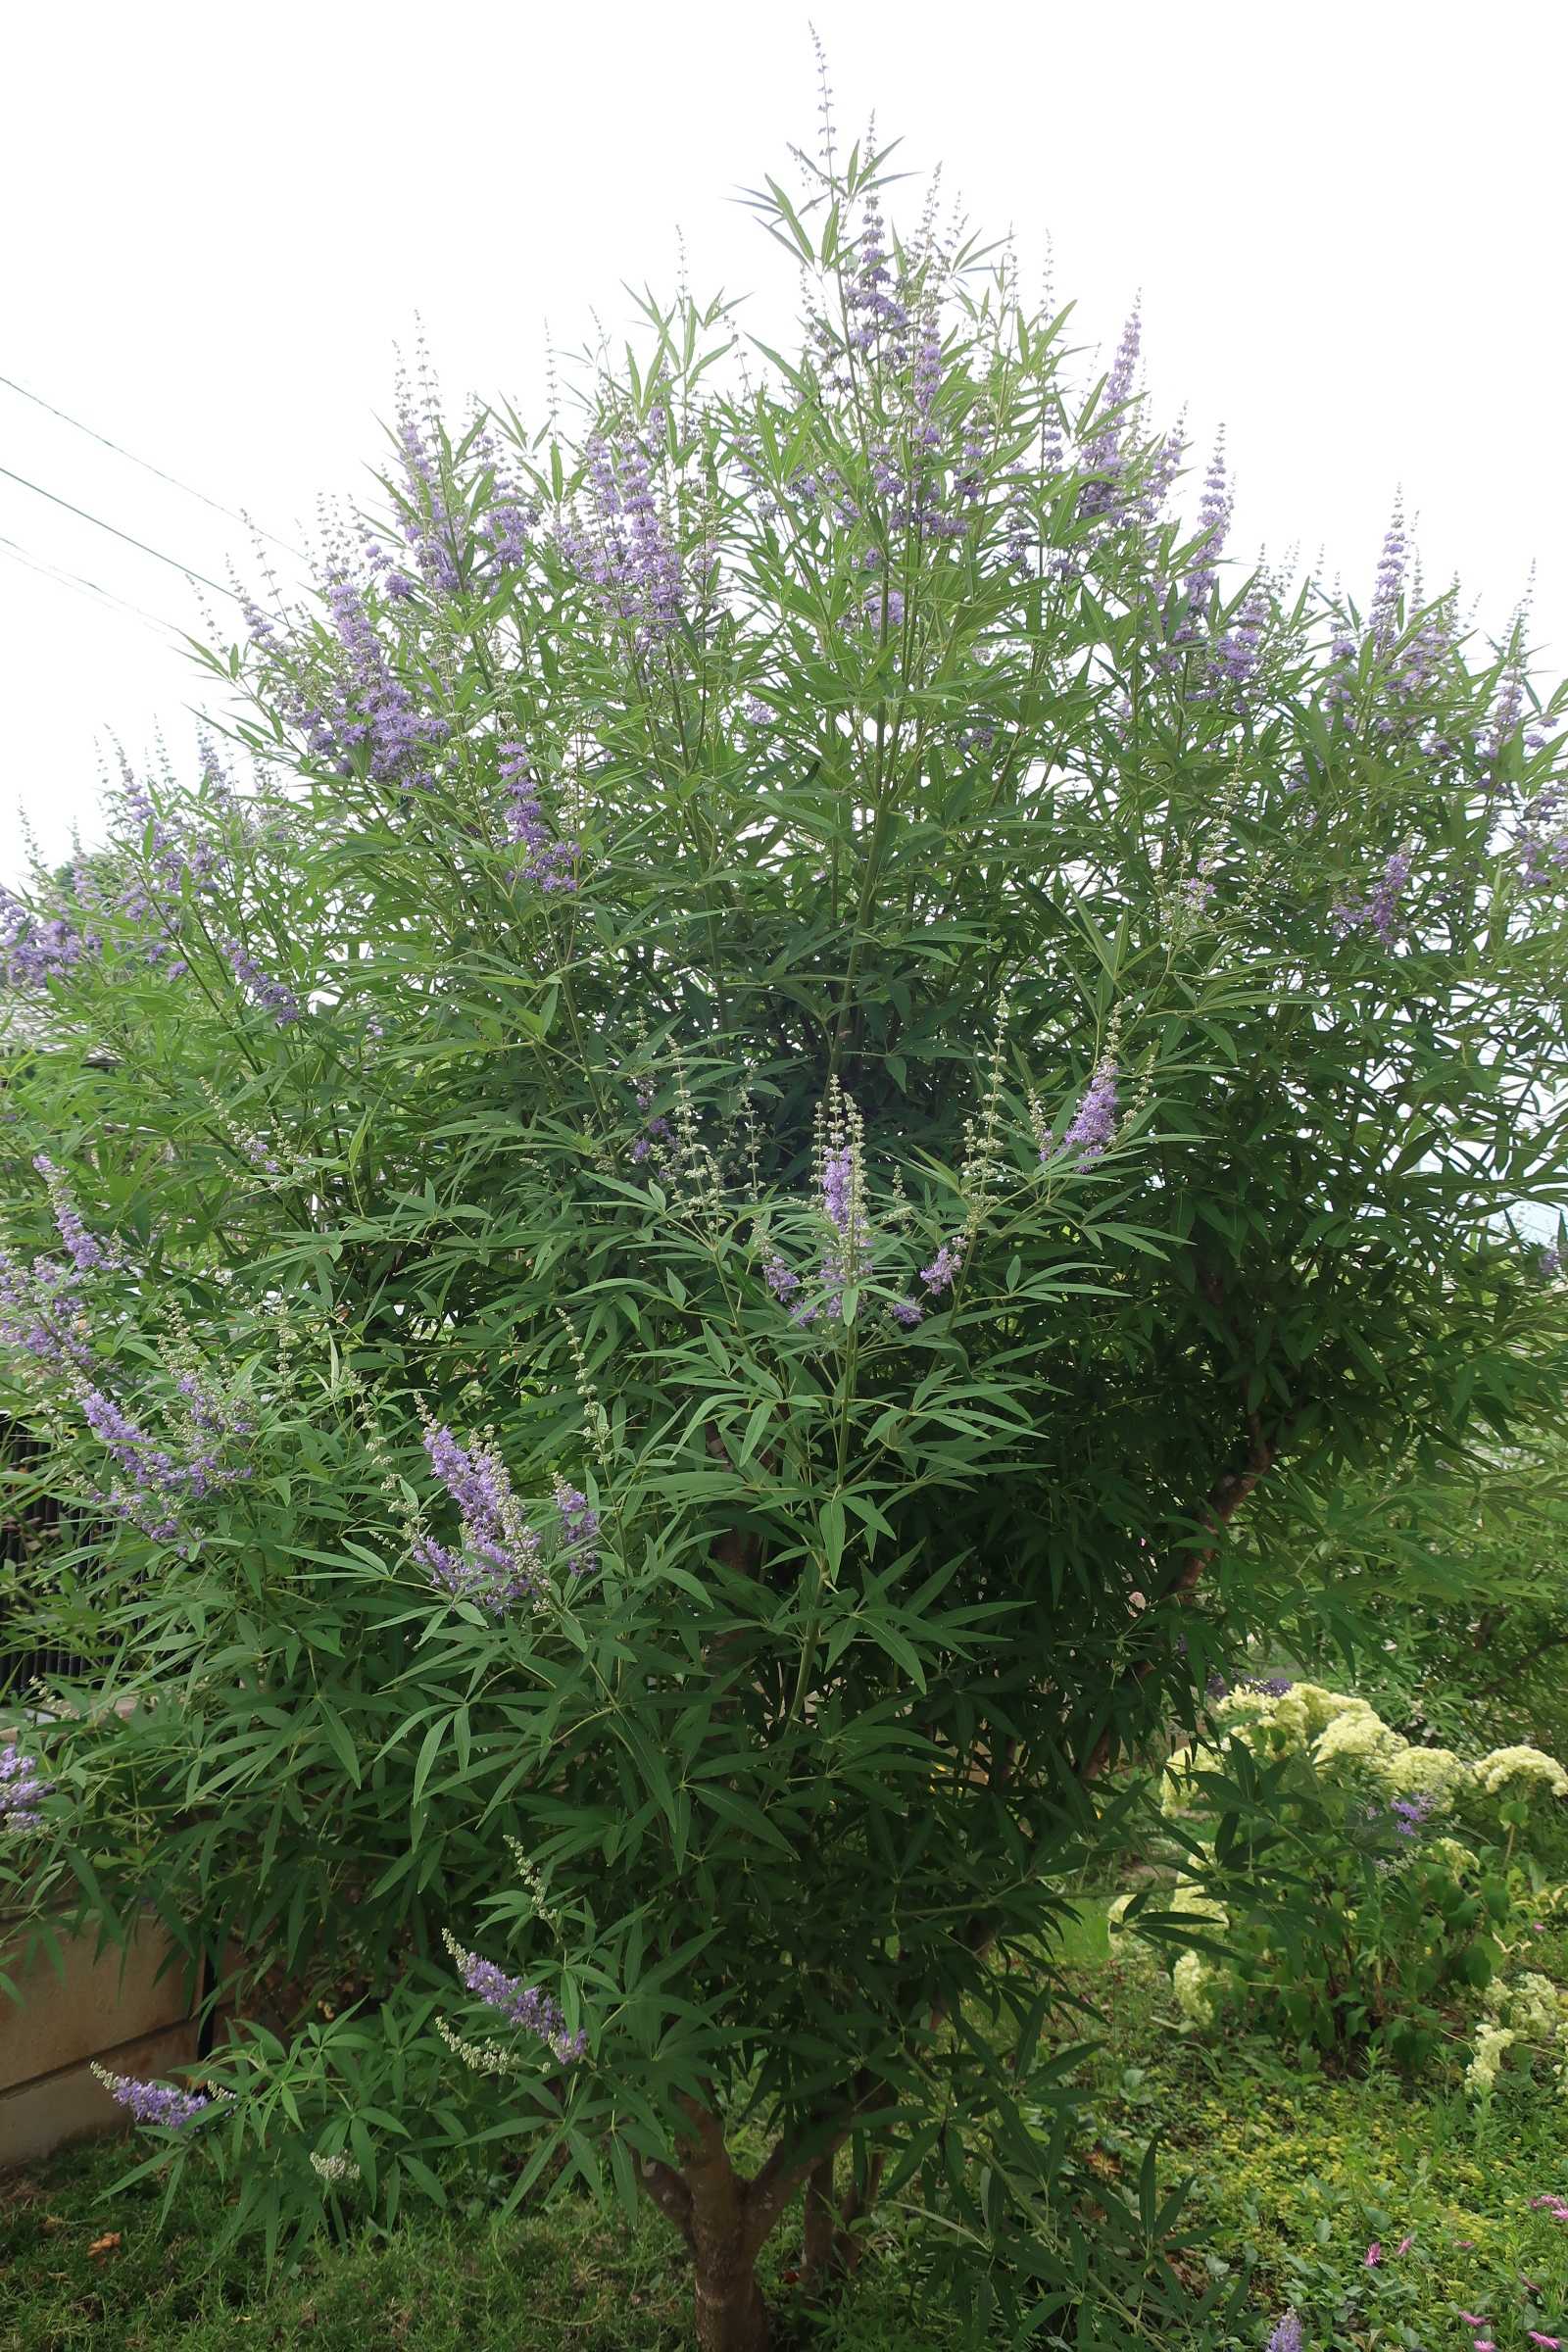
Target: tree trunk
{"points": [[820, 2227], [724, 2239], [732, 2315]]}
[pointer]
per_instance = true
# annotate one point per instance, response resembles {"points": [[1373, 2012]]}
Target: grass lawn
{"points": [[1296, 2171]]}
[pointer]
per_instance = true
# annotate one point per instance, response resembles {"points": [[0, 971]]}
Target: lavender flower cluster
{"points": [[36, 948], [429, 528], [271, 995], [1092, 1127], [87, 1252], [1375, 909], [367, 702], [41, 1314], [520, 2004], [623, 549], [154, 2103], [23, 1790], [579, 1529], [551, 863], [1104, 497], [155, 1485], [500, 1558], [852, 1249], [1542, 846], [498, 1562], [656, 1132]]}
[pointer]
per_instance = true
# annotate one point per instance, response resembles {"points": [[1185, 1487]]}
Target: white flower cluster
{"points": [[1359, 1736], [485, 2057], [1528, 2009], [334, 2169], [1339, 1731], [1194, 1980], [1435, 1772], [1492, 2042], [1520, 1770], [1530, 2004]]}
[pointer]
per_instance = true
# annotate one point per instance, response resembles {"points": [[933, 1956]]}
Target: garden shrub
{"points": [[696, 1255], [1354, 1886]]}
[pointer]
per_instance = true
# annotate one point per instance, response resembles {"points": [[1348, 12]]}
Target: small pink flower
{"points": [[1405, 2245], [1552, 2343], [1538, 1927], [1374, 2255], [1484, 2343], [1473, 2319]]}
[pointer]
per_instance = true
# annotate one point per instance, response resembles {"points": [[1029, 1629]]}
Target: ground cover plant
{"points": [[697, 1257]]}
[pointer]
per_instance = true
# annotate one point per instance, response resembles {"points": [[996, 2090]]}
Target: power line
{"points": [[174, 564], [147, 465], [83, 586]]}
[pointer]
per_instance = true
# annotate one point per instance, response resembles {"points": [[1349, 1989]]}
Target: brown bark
{"points": [[859, 2199], [731, 2314], [725, 2219], [821, 2226]]}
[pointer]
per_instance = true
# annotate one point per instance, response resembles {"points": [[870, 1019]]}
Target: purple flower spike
{"points": [[941, 1272], [521, 2005], [21, 1791], [1093, 1126], [551, 863], [579, 1529], [271, 995], [781, 1278], [499, 1561], [157, 2103], [87, 1254], [838, 1176]]}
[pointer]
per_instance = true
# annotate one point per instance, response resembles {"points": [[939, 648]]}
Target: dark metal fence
{"points": [[32, 1527]]}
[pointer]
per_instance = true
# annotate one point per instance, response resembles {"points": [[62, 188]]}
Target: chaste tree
{"points": [[697, 1255]]}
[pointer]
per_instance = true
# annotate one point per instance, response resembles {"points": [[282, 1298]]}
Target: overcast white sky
{"points": [[1346, 221]]}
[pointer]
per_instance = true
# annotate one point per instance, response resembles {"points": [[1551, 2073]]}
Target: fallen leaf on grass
{"points": [[104, 2244]]}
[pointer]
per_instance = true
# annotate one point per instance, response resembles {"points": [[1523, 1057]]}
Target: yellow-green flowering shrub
{"points": [[1432, 1772], [1521, 1771], [1356, 1736], [1492, 2045], [1388, 1929]]}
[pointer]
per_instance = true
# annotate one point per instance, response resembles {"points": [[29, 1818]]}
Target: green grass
{"points": [[1295, 2170], [562, 2277]]}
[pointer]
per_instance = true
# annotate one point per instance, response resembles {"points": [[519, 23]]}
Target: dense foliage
{"points": [[701, 1254], [1446, 1590]]}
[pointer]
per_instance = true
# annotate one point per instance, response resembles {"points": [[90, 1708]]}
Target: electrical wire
{"points": [[129, 538], [82, 586], [147, 465]]}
